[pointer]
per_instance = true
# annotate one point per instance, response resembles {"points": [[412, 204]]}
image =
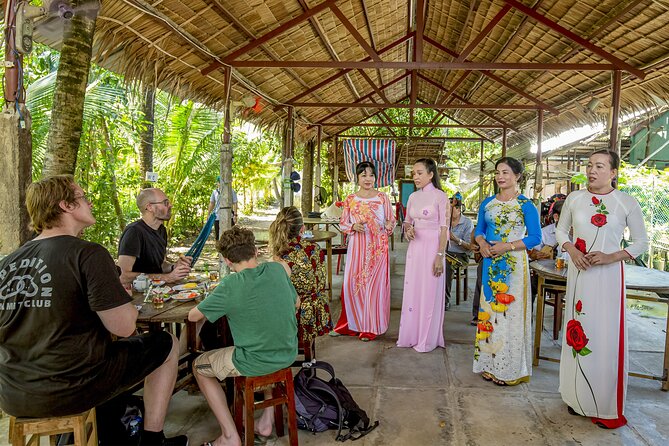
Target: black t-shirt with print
{"points": [[52, 343], [146, 244]]}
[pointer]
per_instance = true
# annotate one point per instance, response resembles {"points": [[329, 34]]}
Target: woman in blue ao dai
{"points": [[508, 225]]}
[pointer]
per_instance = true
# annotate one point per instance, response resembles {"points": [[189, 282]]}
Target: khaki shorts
{"points": [[216, 364]]}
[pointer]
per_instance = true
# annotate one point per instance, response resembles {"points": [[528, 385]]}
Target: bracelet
{"points": [[513, 248], [440, 254]]}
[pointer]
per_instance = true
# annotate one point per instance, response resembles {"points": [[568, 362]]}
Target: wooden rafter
{"points": [[270, 35], [417, 105], [354, 32], [334, 77], [615, 61], [489, 27], [465, 66]]}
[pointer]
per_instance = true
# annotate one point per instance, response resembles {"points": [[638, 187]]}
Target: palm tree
{"points": [[68, 102]]}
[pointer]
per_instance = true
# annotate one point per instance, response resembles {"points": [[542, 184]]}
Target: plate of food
{"points": [[161, 289], [157, 282], [185, 296], [185, 287]]}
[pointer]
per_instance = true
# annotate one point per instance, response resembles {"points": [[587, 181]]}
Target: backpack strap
{"points": [[319, 365]]}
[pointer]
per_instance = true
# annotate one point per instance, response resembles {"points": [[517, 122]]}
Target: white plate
{"points": [[185, 288], [161, 289], [184, 297], [158, 282]]}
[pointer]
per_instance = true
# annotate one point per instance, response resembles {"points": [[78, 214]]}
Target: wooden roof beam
{"points": [[420, 25], [334, 77], [354, 32], [496, 78], [328, 46], [365, 14], [367, 96], [409, 106], [489, 27], [466, 66], [270, 35], [488, 114], [395, 125], [442, 114], [618, 63]]}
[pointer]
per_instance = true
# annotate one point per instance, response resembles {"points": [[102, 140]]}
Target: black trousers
{"points": [[476, 301]]}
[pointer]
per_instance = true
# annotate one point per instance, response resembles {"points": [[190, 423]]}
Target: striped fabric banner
{"points": [[381, 152]]}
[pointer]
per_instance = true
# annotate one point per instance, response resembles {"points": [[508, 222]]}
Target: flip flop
{"points": [[260, 440], [487, 376]]}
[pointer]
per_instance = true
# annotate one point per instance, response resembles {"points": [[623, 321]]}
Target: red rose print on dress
{"points": [[598, 220], [580, 245], [595, 201], [576, 338], [579, 306]]}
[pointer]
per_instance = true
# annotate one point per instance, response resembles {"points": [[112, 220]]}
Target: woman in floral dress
{"points": [[306, 262], [368, 219], [508, 225], [593, 364]]}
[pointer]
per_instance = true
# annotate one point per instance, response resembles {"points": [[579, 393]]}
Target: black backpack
{"points": [[323, 405]]}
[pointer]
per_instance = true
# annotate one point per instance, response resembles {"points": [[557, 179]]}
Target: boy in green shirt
{"points": [[260, 303]]}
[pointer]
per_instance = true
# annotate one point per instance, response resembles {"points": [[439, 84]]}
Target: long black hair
{"points": [[431, 166]]}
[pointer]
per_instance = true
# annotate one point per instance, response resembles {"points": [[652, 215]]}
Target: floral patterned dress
{"points": [[593, 364], [307, 265], [503, 346]]}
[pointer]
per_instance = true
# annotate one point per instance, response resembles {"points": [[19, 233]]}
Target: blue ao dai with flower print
{"points": [[503, 343]]}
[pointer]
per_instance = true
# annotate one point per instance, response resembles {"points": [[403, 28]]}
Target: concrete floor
{"points": [[435, 399]]}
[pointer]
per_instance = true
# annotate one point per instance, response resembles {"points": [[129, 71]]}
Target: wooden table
{"points": [[641, 283], [311, 222], [319, 236]]}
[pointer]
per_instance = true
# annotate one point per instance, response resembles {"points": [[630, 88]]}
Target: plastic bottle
{"points": [[135, 425]]}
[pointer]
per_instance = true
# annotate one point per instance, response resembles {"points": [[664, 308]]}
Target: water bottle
{"points": [[135, 425]]}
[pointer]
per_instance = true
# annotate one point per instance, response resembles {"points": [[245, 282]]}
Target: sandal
{"points": [[487, 376], [499, 382]]}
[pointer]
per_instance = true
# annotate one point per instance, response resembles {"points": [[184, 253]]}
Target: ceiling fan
{"points": [[51, 14]]}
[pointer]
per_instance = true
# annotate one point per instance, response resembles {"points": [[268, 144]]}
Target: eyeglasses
{"points": [[84, 197], [165, 202]]}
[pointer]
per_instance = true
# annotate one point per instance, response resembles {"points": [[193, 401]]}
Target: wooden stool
{"points": [[282, 393], [308, 349], [460, 273], [83, 425]]}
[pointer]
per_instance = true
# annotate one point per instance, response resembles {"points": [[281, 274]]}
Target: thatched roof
{"points": [[171, 43]]}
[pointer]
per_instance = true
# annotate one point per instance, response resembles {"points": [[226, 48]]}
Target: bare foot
{"points": [[265, 423], [234, 440]]}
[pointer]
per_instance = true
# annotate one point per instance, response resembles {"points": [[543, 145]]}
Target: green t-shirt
{"points": [[260, 305]]}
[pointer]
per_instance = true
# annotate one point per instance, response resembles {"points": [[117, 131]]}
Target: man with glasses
{"points": [[143, 244], [60, 302]]}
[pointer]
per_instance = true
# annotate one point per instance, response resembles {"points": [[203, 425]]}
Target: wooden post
{"points": [[287, 192], [503, 142], [538, 169], [614, 146], [225, 205], [15, 148], [481, 167], [317, 174], [335, 173], [308, 177]]}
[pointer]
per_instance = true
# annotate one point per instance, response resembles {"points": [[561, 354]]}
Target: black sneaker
{"points": [[179, 440]]}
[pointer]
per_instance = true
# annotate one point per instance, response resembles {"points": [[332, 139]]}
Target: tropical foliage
{"points": [[187, 139]]}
